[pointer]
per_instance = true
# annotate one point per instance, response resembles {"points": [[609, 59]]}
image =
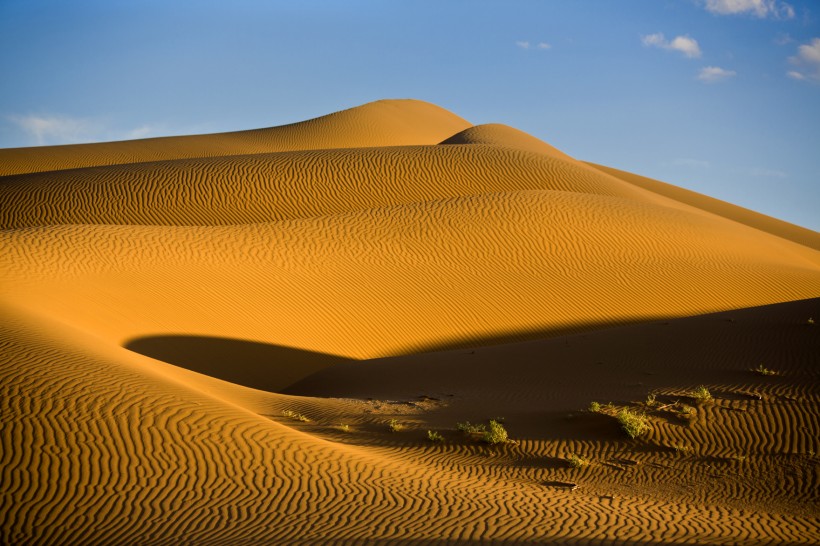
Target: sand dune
{"points": [[380, 123], [163, 305], [751, 218]]}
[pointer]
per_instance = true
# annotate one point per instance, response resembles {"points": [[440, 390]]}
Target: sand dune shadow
{"points": [[249, 363]]}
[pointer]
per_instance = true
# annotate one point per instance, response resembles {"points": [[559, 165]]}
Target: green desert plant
{"points": [[394, 425], [495, 433], [701, 395], [634, 424], [595, 407], [687, 412], [469, 429], [763, 370], [576, 461], [434, 436], [290, 414]]}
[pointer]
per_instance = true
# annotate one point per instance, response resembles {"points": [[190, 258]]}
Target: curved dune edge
{"points": [[396, 122], [391, 262], [497, 134]]}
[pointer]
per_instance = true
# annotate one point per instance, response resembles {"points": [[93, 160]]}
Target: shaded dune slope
{"points": [[380, 123], [286, 255]]}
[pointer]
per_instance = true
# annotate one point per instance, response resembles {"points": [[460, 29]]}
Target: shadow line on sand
{"points": [[277, 368]]}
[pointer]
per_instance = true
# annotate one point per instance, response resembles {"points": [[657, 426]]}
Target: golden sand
{"points": [[163, 301]]}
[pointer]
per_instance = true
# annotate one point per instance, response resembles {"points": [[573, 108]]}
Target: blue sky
{"points": [[719, 96]]}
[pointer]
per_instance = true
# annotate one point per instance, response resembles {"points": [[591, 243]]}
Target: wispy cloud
{"points": [[808, 62], [523, 44], [713, 74], [768, 173], [44, 130], [55, 129], [759, 8], [783, 39], [684, 44]]}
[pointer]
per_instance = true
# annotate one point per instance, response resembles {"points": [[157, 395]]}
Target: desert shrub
{"points": [[468, 428], [595, 407], [576, 461], [650, 400], [763, 370], [495, 433], [394, 425], [290, 414], [687, 412], [701, 395], [434, 436], [634, 424]]}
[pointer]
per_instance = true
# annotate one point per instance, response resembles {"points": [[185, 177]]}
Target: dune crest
{"points": [[396, 122], [252, 337]]}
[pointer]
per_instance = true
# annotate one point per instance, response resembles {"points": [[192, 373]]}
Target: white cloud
{"points": [[144, 131], [686, 45], [808, 59], [48, 130], [712, 74], [55, 129], [523, 44], [759, 8]]}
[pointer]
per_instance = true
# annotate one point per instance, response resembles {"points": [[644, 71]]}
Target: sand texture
{"points": [[205, 338]]}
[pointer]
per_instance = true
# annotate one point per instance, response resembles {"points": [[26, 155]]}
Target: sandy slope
{"points": [[380, 123], [281, 269]]}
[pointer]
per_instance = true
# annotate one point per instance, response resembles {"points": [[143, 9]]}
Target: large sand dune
{"points": [[164, 301]]}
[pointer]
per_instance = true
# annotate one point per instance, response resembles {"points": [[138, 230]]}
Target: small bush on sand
{"points": [[634, 424], [290, 414], [470, 429], [650, 400], [394, 425], [576, 461], [434, 436], [687, 412], [595, 407], [495, 433], [701, 395], [763, 370]]}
